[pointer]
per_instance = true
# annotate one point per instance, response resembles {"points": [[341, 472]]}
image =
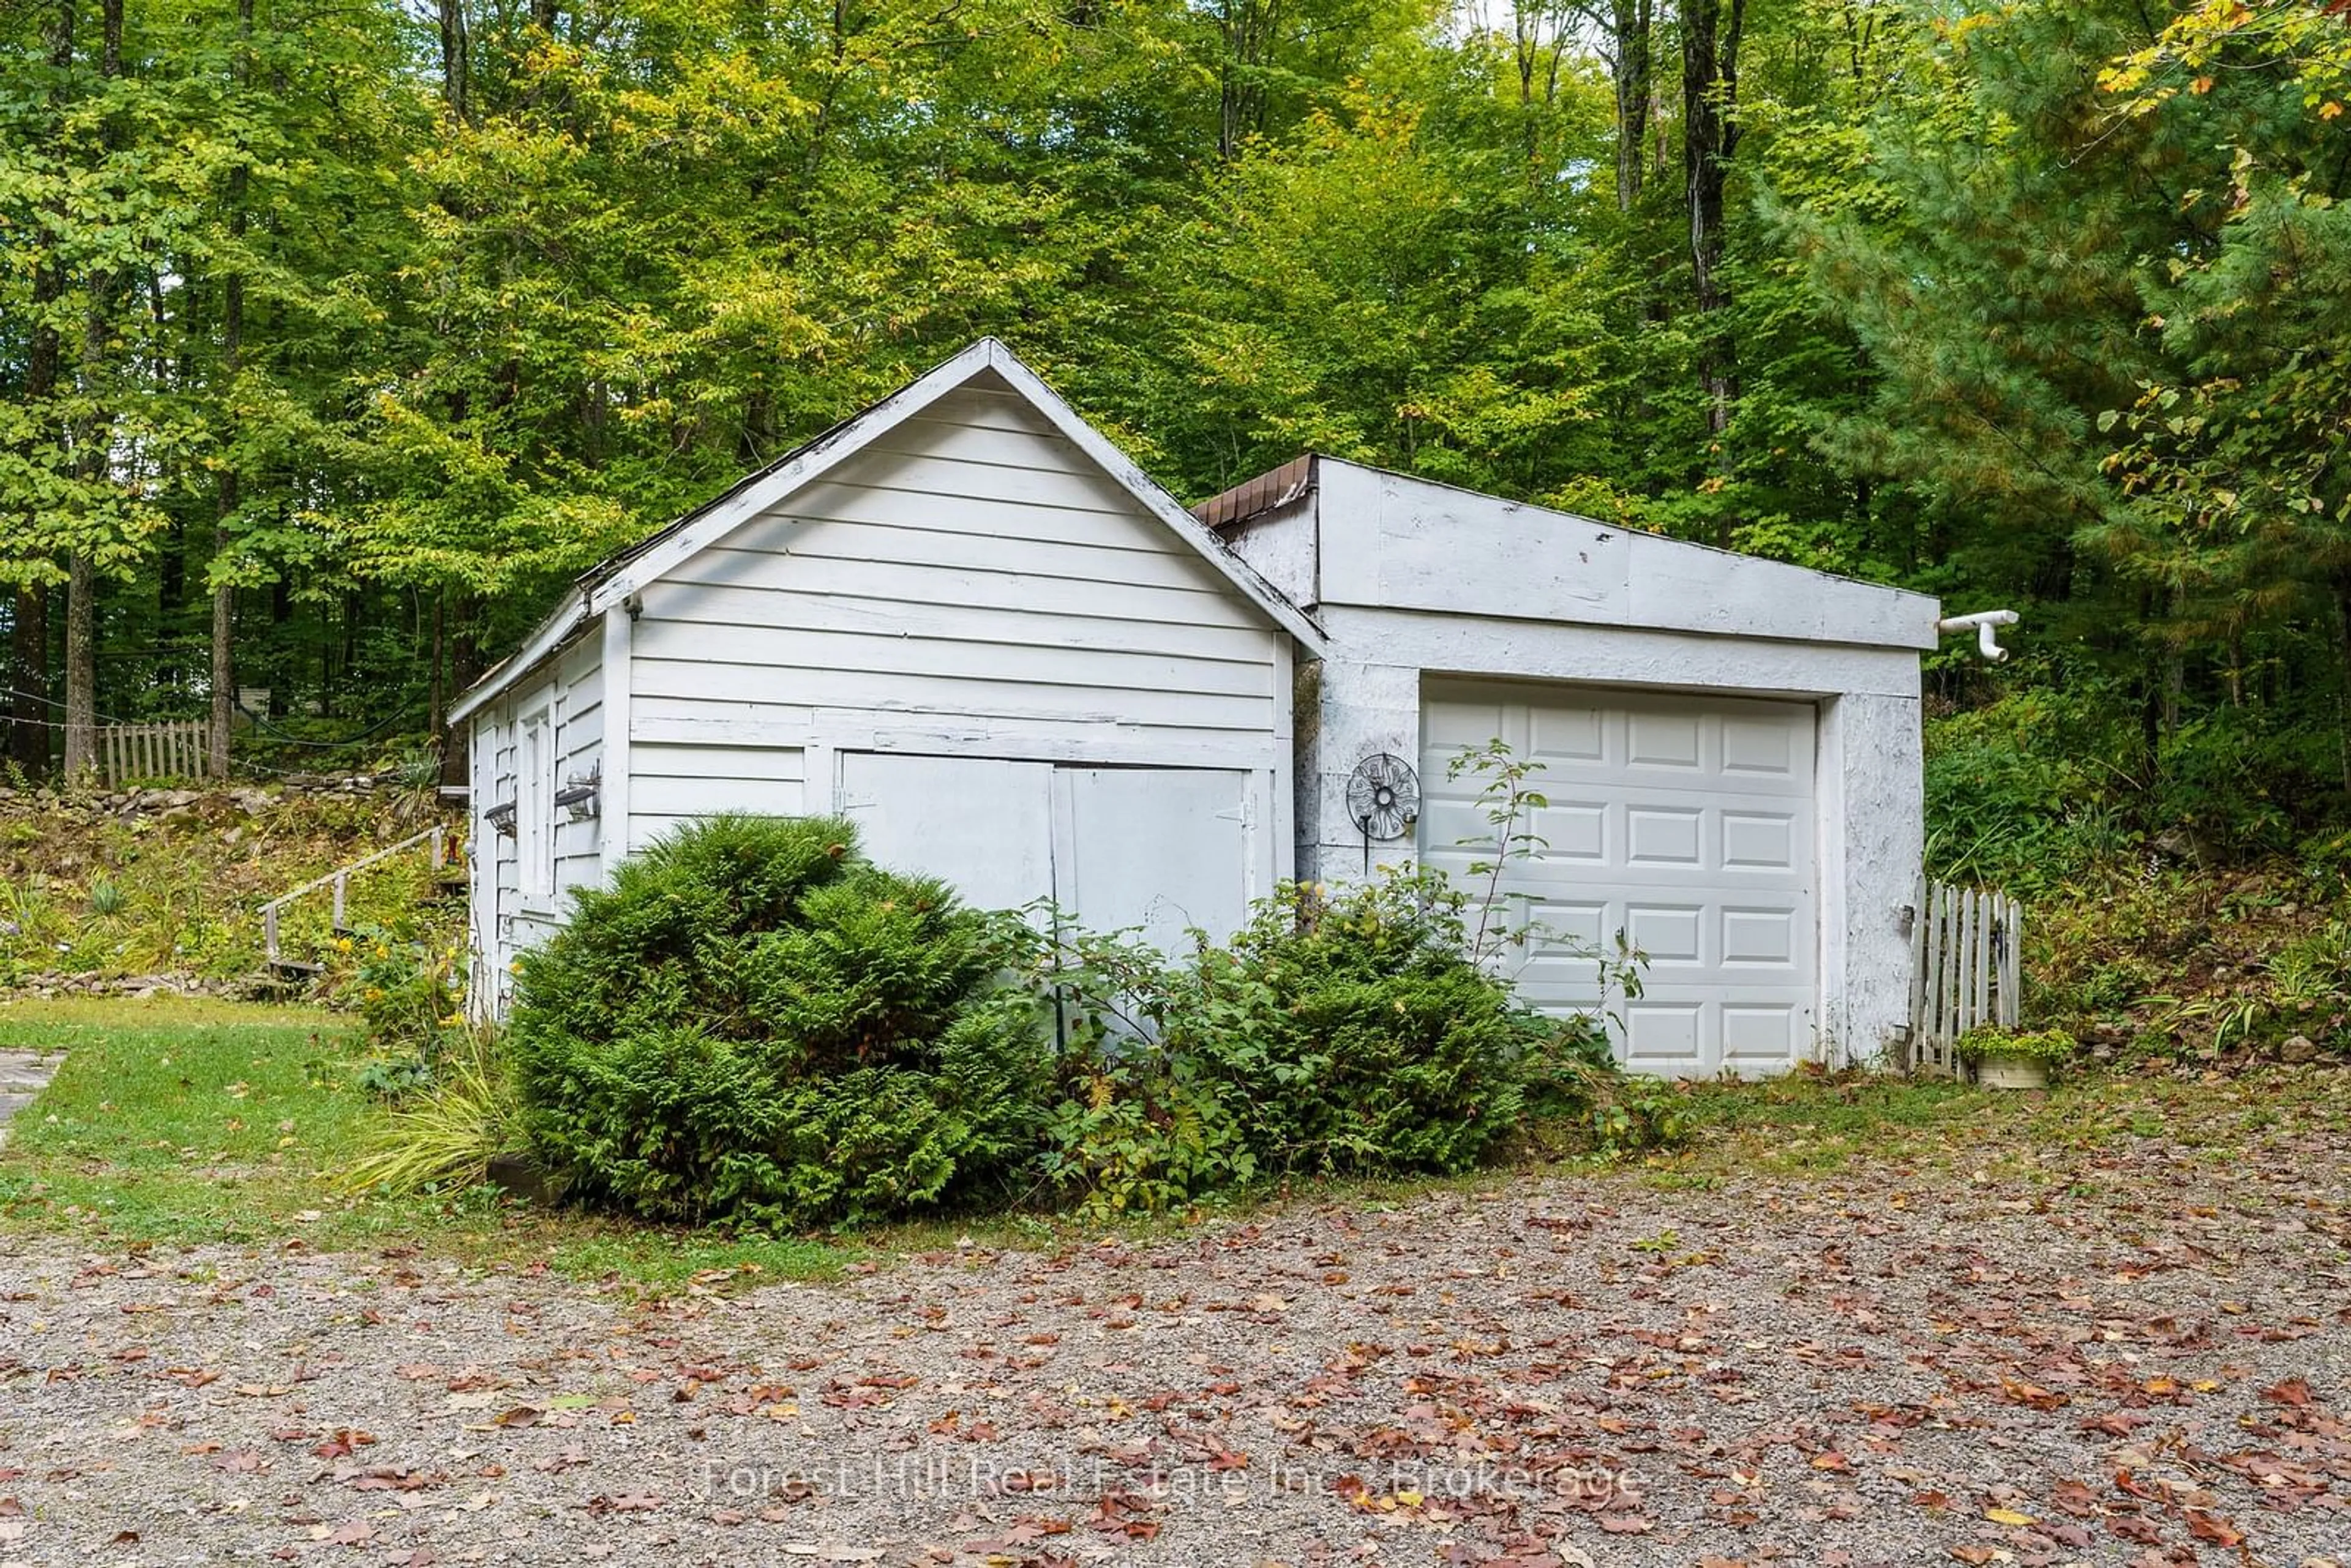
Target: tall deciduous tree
{"points": [[38, 118], [1711, 32], [221, 666]]}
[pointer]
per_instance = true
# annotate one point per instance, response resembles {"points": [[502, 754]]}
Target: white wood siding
{"points": [[671, 783], [505, 922], [970, 585], [579, 695], [970, 588]]}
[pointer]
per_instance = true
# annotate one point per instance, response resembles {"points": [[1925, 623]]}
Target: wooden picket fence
{"points": [[1965, 970], [129, 751]]}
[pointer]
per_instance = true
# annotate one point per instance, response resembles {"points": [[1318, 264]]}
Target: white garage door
{"points": [[1684, 823], [1160, 850]]}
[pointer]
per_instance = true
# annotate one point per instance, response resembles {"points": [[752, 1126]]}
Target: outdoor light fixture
{"points": [[578, 794]]}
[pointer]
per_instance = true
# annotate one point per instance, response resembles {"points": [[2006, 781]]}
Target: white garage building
{"points": [[966, 621], [1730, 749]]}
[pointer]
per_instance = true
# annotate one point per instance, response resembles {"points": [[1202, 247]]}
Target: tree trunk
{"points": [[1710, 33], [1633, 23], [28, 676], [224, 665], [81, 668], [456, 60], [91, 458], [437, 702], [1248, 28], [223, 632], [44, 351], [2342, 672]]}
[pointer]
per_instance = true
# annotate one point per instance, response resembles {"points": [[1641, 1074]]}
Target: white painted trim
{"points": [[1478, 648], [751, 732], [481, 883], [1281, 779], [1832, 822], [535, 844], [1062, 835], [1083, 741], [820, 778], [1264, 832], [613, 836]]}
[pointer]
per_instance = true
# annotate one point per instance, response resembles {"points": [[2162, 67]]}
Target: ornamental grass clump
{"points": [[755, 1024]]}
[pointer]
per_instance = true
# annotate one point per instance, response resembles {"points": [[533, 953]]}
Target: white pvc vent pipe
{"points": [[1981, 622]]}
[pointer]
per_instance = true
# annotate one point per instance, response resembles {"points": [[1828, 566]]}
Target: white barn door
{"points": [[984, 825], [1687, 824], [1161, 849], [1165, 849]]}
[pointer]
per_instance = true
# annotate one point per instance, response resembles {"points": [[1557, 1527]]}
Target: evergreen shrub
{"points": [[753, 1023]]}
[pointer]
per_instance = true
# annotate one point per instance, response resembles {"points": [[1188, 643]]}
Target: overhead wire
{"points": [[281, 737], [243, 764]]}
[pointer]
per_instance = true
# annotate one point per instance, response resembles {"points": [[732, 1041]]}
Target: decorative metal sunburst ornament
{"points": [[1382, 799]]}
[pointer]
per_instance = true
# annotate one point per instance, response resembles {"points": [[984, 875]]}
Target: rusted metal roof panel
{"points": [[1268, 492]]}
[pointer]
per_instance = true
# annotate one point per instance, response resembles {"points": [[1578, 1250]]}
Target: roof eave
{"points": [[547, 641]]}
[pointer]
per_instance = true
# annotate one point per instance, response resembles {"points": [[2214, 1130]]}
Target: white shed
{"points": [[963, 620], [1730, 749]]}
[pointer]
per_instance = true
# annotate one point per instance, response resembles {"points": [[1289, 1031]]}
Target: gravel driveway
{"points": [[1557, 1371]]}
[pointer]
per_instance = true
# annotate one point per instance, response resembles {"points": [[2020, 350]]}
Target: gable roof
{"points": [[627, 572]]}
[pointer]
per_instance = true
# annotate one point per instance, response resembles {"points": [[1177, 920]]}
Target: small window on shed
{"points": [[535, 807]]}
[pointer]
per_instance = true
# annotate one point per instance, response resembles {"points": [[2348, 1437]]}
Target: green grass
{"points": [[189, 1121], [1809, 1124], [179, 1119], [196, 1120]]}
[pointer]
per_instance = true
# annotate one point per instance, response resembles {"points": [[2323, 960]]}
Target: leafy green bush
{"points": [[2020, 792], [1640, 1115], [2059, 775], [754, 1023], [1352, 1033], [1140, 1130], [1335, 1035]]}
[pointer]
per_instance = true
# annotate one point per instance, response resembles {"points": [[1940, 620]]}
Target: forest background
{"points": [[335, 334]]}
